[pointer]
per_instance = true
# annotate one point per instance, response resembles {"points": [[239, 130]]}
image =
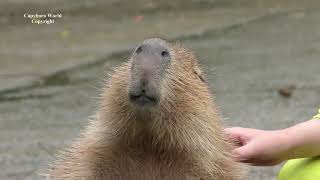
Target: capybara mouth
{"points": [[143, 99]]}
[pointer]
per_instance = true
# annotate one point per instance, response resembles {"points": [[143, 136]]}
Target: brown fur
{"points": [[179, 139]]}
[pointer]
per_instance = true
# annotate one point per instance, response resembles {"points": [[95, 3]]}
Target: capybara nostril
{"points": [[139, 50], [165, 54]]}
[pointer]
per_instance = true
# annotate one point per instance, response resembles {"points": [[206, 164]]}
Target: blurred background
{"points": [[262, 59]]}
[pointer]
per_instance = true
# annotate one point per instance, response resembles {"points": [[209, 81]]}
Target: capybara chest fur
{"points": [[157, 121]]}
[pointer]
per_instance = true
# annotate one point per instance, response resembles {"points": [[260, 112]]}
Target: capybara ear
{"points": [[199, 73]]}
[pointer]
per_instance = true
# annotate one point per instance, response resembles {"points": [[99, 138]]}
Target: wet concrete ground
{"points": [[50, 75]]}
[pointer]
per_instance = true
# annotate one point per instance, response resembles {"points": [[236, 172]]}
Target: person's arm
{"points": [[265, 148], [304, 139]]}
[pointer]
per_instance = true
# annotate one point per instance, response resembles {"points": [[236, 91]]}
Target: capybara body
{"points": [[157, 121]]}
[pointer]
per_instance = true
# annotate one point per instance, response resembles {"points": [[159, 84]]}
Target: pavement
{"points": [[50, 75]]}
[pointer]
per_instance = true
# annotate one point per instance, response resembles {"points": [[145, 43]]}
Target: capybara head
{"points": [[158, 68]]}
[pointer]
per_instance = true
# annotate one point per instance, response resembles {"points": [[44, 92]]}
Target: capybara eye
{"points": [[138, 50], [165, 54]]}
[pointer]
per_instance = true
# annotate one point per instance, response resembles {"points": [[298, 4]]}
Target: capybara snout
{"points": [[149, 63]]}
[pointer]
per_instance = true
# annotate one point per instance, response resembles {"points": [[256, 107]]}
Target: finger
{"points": [[237, 135], [234, 132], [246, 153]]}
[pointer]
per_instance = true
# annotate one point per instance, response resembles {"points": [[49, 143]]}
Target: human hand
{"points": [[259, 147]]}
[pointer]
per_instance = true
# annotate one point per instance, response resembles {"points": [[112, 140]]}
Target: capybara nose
{"points": [[156, 50]]}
